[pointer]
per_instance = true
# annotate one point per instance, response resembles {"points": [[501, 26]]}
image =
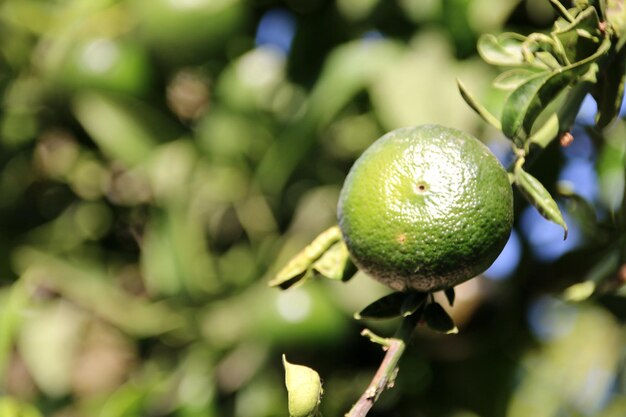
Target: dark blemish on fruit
{"points": [[421, 187]]}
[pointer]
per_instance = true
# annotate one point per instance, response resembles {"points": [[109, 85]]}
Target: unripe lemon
{"points": [[426, 208]]}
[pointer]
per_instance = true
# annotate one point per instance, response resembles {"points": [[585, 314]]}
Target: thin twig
{"points": [[561, 10], [386, 373]]}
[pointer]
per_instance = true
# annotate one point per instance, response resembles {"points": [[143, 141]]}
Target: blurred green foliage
{"points": [[159, 161]]}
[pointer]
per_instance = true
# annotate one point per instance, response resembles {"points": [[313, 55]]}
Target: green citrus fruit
{"points": [[426, 208]]}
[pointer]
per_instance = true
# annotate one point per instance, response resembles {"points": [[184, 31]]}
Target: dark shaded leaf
{"points": [[438, 319], [600, 6], [597, 277], [609, 91], [413, 301], [580, 209], [580, 38], [450, 295], [538, 196], [387, 307]]}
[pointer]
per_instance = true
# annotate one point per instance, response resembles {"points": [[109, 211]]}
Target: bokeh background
{"points": [[161, 159]]}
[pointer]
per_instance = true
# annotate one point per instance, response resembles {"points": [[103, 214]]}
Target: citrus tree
{"points": [[427, 208], [161, 161]]}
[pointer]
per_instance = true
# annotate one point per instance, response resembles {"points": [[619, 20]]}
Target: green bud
{"points": [[304, 389]]}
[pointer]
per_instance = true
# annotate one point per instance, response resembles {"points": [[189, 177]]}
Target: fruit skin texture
{"points": [[425, 208]]}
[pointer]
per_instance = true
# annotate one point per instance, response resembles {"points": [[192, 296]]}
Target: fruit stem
{"points": [[386, 373]]}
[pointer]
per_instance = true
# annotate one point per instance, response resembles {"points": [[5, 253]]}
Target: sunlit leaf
{"points": [[89, 287], [526, 102], [504, 50], [511, 79], [477, 107], [300, 264], [126, 401], [13, 302], [335, 263], [11, 407], [548, 59], [579, 291], [438, 319], [538, 196], [125, 130], [348, 69], [616, 16]]}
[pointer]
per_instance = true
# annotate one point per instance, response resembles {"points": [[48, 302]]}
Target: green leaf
{"points": [[511, 79], [580, 38], [477, 107], [580, 209], [299, 267], [609, 91], [412, 302], [526, 102], [304, 389], [388, 307], [538, 196], [335, 263], [548, 59], [561, 120], [545, 134], [438, 319], [616, 16], [124, 129], [450, 295], [561, 10], [602, 269], [605, 267], [14, 302], [600, 6], [11, 407], [504, 50]]}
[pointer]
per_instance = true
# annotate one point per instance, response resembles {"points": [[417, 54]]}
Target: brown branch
{"points": [[386, 373]]}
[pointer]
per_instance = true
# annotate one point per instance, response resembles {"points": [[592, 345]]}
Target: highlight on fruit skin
{"points": [[425, 208]]}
